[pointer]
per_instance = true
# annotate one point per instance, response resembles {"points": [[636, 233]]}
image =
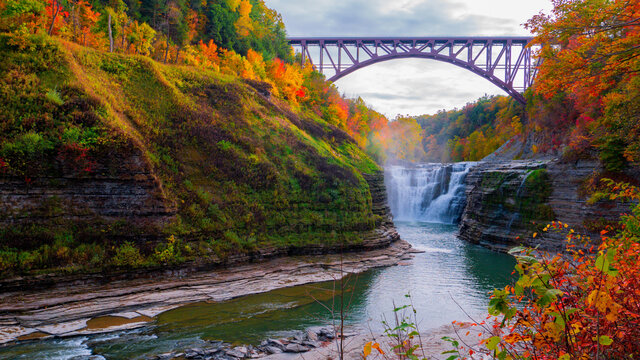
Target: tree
{"points": [[114, 21], [220, 24], [83, 19], [244, 24], [141, 38], [55, 8], [594, 44], [175, 27], [21, 12], [210, 54]]}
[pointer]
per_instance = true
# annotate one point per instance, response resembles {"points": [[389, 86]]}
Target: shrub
{"points": [[612, 154], [582, 305], [169, 253], [127, 254], [54, 97]]}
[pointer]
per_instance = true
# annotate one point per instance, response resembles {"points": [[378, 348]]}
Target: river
{"points": [[450, 278]]}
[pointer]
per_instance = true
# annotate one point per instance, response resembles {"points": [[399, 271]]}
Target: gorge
{"points": [[442, 272], [453, 215]]}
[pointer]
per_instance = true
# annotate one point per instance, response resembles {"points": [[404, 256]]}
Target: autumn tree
{"points": [[244, 23], [56, 13], [141, 37], [406, 139], [209, 54], [16, 13], [593, 44], [83, 19], [288, 79]]}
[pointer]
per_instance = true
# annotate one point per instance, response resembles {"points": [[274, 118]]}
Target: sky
{"points": [[410, 86]]}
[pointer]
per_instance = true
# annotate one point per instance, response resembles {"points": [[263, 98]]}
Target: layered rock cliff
{"points": [[509, 201], [111, 163]]}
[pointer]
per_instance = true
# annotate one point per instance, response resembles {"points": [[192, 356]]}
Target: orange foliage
{"points": [[55, 16], [209, 54], [83, 19], [244, 24], [591, 61], [288, 79]]}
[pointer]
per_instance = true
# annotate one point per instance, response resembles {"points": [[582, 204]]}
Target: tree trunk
{"points": [[110, 34], [74, 18], [124, 50], [166, 52], [178, 54], [55, 14]]}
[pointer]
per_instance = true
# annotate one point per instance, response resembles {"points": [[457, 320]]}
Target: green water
{"points": [[450, 273]]}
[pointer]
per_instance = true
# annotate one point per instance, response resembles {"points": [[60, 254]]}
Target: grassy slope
{"points": [[244, 172]]}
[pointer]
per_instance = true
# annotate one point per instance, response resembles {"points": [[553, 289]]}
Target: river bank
{"points": [[91, 308]]}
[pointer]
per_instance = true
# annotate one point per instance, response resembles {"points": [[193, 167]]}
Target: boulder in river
{"points": [[296, 348]]}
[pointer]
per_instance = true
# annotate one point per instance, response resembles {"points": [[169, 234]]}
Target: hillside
{"points": [[112, 160], [472, 132]]}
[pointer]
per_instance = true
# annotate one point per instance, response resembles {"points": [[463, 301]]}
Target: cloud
{"points": [[388, 96], [415, 86], [390, 18]]}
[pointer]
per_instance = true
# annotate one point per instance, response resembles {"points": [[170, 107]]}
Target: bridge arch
{"points": [[505, 62]]}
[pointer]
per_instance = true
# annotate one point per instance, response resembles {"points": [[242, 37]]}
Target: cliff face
{"points": [[139, 199], [385, 232], [508, 201], [124, 190], [110, 162]]}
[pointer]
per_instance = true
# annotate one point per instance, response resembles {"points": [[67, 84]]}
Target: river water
{"points": [[450, 278]]}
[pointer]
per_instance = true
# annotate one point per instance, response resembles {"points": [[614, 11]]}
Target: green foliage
{"points": [[169, 252], [127, 255], [473, 132], [612, 154], [54, 96], [403, 334]]}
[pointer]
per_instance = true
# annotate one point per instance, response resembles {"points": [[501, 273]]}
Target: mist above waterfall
{"points": [[427, 192]]}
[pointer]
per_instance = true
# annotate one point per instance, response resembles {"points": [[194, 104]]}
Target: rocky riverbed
{"points": [[321, 343], [85, 309]]}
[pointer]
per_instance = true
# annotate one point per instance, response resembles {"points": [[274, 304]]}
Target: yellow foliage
{"points": [[233, 4], [257, 63], [244, 24]]}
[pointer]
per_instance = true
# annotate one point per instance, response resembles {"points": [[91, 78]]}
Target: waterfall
{"points": [[427, 192]]}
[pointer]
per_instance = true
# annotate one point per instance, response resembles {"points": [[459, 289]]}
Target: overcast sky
{"points": [[410, 86]]}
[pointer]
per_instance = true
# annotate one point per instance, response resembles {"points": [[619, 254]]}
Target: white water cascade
{"points": [[427, 192]]}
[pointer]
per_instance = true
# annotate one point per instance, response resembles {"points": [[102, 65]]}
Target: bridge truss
{"points": [[505, 61]]}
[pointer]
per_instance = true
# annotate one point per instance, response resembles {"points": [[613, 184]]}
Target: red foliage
{"points": [[77, 157]]}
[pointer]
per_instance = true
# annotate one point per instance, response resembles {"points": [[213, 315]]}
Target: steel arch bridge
{"points": [[505, 61]]}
